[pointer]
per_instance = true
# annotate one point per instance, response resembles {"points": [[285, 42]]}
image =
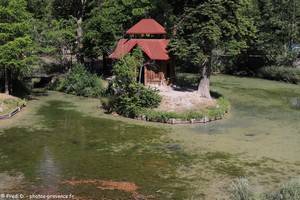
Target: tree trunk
{"points": [[10, 85], [79, 40], [6, 84], [204, 85], [203, 88], [104, 63]]}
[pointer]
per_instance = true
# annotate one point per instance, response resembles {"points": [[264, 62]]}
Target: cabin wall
{"points": [[159, 76]]}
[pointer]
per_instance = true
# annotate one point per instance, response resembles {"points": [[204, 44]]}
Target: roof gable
{"points": [[147, 26], [155, 49]]}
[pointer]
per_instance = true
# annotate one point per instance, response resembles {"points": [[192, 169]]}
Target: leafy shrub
{"points": [[127, 97], [80, 82], [134, 98], [280, 73]]}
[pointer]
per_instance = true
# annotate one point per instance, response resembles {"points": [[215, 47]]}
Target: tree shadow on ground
{"points": [[213, 94]]}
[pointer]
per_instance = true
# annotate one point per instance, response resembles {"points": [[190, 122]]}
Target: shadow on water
{"points": [[73, 146]]}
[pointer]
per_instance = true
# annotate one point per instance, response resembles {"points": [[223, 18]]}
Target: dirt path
{"points": [[179, 101]]}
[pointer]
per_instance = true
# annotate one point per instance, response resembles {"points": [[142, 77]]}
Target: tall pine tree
{"points": [[15, 43]]}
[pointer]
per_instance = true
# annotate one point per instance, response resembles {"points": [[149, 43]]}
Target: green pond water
{"points": [[61, 137]]}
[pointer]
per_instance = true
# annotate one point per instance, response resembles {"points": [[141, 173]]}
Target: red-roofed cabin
{"points": [[157, 69]]}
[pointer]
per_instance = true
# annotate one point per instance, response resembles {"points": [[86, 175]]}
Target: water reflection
{"points": [[48, 173]]}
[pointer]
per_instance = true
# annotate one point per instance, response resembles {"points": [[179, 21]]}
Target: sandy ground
{"points": [[179, 101], [5, 96], [8, 182]]}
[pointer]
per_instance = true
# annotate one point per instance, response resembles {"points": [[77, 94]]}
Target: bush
{"points": [[127, 97], [289, 191], [240, 190], [280, 73], [134, 98], [80, 82]]}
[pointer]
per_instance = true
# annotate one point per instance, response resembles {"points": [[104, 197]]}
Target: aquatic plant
{"points": [[288, 191], [241, 190]]}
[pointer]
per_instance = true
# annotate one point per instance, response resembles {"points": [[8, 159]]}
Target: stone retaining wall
{"points": [[204, 120]]}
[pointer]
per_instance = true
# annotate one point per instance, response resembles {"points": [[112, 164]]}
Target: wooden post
{"points": [[145, 75]]}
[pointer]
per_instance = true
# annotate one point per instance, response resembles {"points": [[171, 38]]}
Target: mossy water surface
{"points": [[258, 139], [70, 145], [68, 138]]}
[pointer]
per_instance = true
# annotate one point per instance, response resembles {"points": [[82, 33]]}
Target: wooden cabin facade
{"points": [[157, 69]]}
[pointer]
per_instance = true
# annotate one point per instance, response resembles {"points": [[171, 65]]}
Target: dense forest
{"points": [[242, 37]]}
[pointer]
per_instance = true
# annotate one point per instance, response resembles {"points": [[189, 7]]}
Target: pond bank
{"points": [[9, 106]]}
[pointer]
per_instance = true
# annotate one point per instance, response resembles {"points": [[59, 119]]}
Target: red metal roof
{"points": [[155, 49], [147, 26]]}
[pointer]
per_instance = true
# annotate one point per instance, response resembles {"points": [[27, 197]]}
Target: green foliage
{"points": [[16, 45], [278, 25], [209, 25], [108, 22], [81, 83], [280, 73], [42, 5], [135, 97], [127, 96], [126, 69], [55, 37], [16, 56]]}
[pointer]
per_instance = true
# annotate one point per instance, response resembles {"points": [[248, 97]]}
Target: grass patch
{"points": [[229, 169], [217, 156]]}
